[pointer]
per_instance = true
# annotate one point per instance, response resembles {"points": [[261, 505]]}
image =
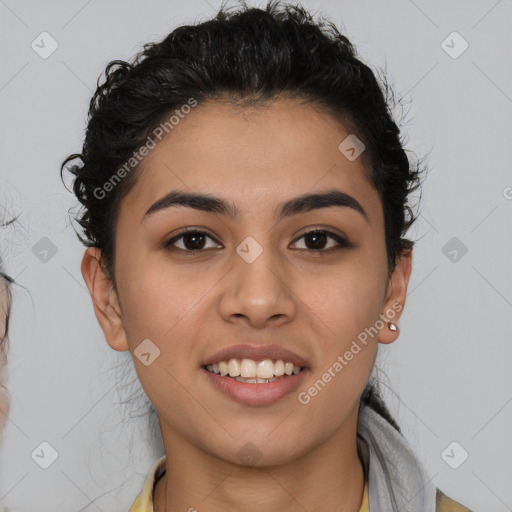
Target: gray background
{"points": [[451, 366]]}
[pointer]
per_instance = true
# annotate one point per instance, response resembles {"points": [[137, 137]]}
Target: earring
{"points": [[392, 326]]}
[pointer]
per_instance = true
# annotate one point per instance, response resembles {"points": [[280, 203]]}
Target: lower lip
{"points": [[256, 394]]}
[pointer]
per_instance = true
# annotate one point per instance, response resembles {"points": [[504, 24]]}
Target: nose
{"points": [[258, 293]]}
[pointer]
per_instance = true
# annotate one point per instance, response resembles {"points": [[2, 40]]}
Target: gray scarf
{"points": [[397, 481]]}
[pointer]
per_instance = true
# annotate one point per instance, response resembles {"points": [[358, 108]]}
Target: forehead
{"points": [[284, 147]]}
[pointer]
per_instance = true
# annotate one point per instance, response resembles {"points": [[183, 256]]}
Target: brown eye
{"points": [[192, 241], [316, 240]]}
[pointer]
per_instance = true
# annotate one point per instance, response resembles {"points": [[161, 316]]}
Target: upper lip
{"points": [[256, 353]]}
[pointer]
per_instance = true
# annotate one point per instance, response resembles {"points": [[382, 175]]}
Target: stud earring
{"points": [[392, 326]]}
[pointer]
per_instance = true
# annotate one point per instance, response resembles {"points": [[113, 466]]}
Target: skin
{"points": [[190, 306]]}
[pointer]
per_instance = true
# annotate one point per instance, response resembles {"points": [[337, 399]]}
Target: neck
{"points": [[329, 477]]}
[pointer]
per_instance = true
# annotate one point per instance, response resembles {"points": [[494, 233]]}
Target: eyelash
{"points": [[342, 243]]}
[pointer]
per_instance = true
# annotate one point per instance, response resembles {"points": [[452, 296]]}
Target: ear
{"points": [[104, 300], [395, 296]]}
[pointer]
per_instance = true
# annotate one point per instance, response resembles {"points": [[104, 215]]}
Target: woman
{"points": [[245, 196]]}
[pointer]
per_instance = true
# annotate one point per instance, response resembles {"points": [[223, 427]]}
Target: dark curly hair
{"points": [[247, 57]]}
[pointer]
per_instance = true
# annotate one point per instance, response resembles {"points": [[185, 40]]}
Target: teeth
{"points": [[265, 369], [224, 368], [255, 381], [248, 370], [233, 368], [278, 368]]}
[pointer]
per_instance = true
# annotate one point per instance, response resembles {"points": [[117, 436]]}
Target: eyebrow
{"points": [[296, 205]]}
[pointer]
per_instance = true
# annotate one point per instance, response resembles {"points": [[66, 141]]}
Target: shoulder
{"points": [[144, 501], [445, 504]]}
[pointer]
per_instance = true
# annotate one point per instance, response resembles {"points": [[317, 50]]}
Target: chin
{"points": [[254, 451]]}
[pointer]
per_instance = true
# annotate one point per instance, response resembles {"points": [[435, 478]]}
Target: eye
{"points": [[193, 241], [316, 239]]}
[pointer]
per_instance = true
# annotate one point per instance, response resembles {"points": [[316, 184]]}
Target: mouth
{"points": [[255, 376], [254, 372]]}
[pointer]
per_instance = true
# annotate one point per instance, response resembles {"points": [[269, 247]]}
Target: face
{"points": [[258, 285]]}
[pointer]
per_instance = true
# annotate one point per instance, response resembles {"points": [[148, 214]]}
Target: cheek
{"points": [[347, 346], [158, 307], [345, 300], [157, 297], [346, 303]]}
